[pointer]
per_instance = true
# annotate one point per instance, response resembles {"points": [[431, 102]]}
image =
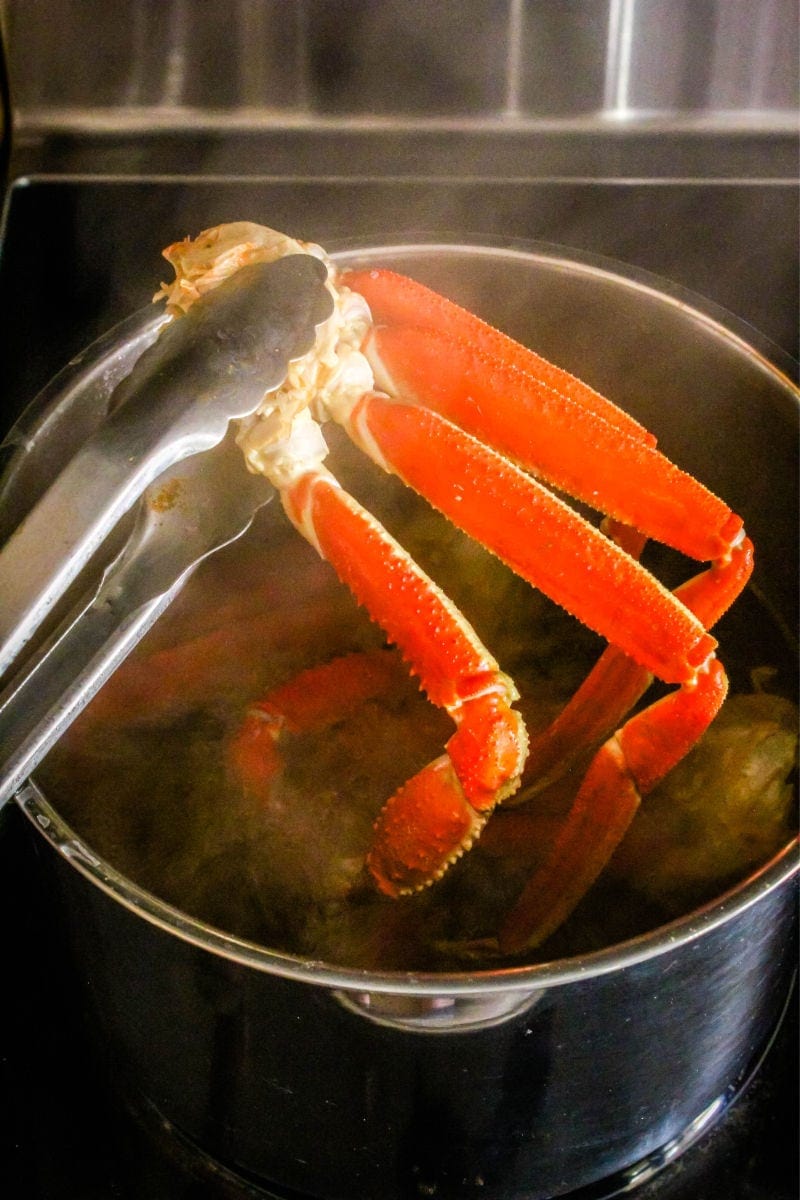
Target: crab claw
{"points": [[436, 816]]}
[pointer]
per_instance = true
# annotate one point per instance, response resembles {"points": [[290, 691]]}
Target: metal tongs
{"points": [[165, 438]]}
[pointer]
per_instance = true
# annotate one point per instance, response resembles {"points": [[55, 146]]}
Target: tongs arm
{"points": [[210, 366], [216, 503]]}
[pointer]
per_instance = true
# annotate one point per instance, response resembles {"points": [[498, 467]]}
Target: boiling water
{"points": [[145, 778]]}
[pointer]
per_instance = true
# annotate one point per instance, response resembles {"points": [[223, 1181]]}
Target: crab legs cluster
{"points": [[480, 426]]}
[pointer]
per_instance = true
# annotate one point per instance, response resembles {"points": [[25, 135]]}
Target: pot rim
{"points": [[538, 976], [724, 323]]}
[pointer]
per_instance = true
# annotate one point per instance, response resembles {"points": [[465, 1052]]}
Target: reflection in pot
{"points": [[326, 1079]]}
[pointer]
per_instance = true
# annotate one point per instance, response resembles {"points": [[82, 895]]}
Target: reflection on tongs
{"points": [[211, 366]]}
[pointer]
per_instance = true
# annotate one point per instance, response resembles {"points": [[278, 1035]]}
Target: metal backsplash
{"points": [[512, 58], [563, 68]]}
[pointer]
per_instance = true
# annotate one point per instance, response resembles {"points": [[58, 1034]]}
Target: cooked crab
{"points": [[480, 426]]}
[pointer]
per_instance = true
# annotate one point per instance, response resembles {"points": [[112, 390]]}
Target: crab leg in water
{"points": [[654, 736], [617, 681], [309, 702]]}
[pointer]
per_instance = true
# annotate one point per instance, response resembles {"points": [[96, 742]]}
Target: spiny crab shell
{"points": [[283, 437]]}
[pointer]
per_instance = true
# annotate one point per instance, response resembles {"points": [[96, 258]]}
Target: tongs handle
{"points": [[58, 684], [216, 501], [216, 363]]}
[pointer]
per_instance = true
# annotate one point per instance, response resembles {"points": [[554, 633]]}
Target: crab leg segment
{"points": [[544, 420], [309, 702], [624, 769], [434, 817], [395, 300], [654, 632], [617, 681], [535, 533]]}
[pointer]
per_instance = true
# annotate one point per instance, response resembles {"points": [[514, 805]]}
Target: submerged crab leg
{"points": [[309, 702], [626, 767], [434, 817], [591, 832]]}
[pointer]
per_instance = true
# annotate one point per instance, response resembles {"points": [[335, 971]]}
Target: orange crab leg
{"points": [[447, 803], [549, 544], [602, 701], [472, 386], [396, 300], [310, 701], [558, 439], [537, 415], [624, 769], [535, 533], [617, 681]]}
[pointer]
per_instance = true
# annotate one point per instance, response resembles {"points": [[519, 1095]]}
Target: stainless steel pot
{"points": [[528, 1082]]}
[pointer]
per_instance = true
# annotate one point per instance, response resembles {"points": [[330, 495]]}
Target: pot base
{"points": [[184, 1154]]}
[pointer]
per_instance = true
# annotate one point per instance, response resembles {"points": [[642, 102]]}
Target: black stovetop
{"points": [[80, 254]]}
